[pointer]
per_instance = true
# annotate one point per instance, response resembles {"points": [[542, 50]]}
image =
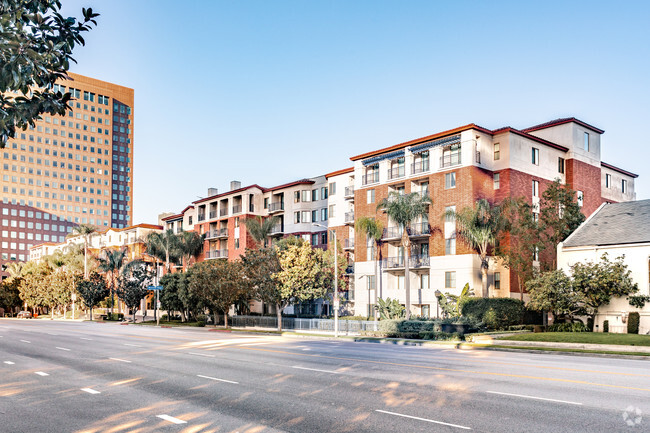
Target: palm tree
{"points": [[190, 244], [111, 263], [15, 269], [259, 228], [373, 231], [403, 209], [479, 227], [163, 246], [84, 230]]}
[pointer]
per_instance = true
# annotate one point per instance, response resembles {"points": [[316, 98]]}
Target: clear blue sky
{"points": [[271, 91]]}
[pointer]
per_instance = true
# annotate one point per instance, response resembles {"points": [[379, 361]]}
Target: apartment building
{"points": [[69, 170], [455, 168]]}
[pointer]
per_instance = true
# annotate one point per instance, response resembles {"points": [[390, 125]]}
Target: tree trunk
{"points": [[278, 312], [225, 318], [375, 311], [407, 282], [521, 288], [91, 314], [484, 284]]}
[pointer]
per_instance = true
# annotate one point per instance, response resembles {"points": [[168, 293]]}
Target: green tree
{"points": [[451, 304], [373, 231], [86, 231], [390, 309], [190, 245], [260, 228], [132, 284], [403, 210], [260, 267], [553, 291], [163, 246], [60, 286], [480, 227], [170, 296], [111, 263], [36, 50], [10, 293], [34, 284], [92, 290]]}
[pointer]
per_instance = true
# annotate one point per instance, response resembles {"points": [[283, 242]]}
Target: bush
{"points": [[590, 324], [355, 318], [441, 336], [201, 320], [568, 327], [495, 313], [406, 328], [115, 316], [521, 328], [633, 323], [606, 326]]}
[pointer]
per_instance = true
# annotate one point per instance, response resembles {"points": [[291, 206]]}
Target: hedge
{"points": [[568, 327], [407, 328], [495, 313], [633, 323]]}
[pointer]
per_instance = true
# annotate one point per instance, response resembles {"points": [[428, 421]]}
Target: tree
{"points": [[373, 231], [85, 230], [260, 228], [389, 309], [59, 292], [479, 227], [260, 267], [404, 209], [553, 291], [163, 246], [190, 245], [10, 293], [34, 283], [132, 284], [111, 263], [36, 50], [451, 304], [92, 290], [170, 298]]}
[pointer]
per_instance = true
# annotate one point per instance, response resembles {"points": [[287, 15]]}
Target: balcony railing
{"points": [[216, 254], [236, 209], [276, 230], [201, 217], [349, 192], [349, 217], [450, 160], [223, 212], [420, 167], [420, 229], [369, 178], [348, 244], [394, 232], [217, 233], [276, 207], [396, 172], [416, 261], [213, 214]]}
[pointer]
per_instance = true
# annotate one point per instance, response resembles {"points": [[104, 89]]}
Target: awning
{"points": [[455, 139], [392, 155]]}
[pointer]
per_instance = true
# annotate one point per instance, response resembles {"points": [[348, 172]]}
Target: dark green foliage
{"points": [[118, 317], [495, 313], [92, 291], [10, 293], [590, 324], [132, 284], [568, 327], [36, 50], [633, 323], [389, 309], [407, 328], [606, 326], [521, 328], [441, 336], [638, 301]]}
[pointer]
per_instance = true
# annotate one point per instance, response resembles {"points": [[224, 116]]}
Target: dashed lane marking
{"points": [[218, 380], [120, 360], [200, 354], [90, 391], [9, 362], [424, 419], [316, 369], [172, 419], [534, 398], [41, 373], [62, 348], [25, 341]]}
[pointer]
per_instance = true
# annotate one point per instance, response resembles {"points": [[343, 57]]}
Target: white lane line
{"points": [[424, 419], [25, 341], [121, 360], [306, 348], [62, 348], [85, 338], [316, 369], [172, 419], [255, 344], [90, 391], [51, 333], [200, 354], [41, 373], [9, 362], [218, 380], [535, 398], [132, 345]]}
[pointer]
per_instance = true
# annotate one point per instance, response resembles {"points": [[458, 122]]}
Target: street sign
{"points": [[155, 287]]}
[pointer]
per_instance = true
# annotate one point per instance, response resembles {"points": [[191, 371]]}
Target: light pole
{"points": [[336, 282]]}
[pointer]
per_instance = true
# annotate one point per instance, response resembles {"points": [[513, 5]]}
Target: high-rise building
{"points": [[69, 170]]}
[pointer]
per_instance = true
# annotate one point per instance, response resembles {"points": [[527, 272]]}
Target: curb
{"points": [[570, 353]]}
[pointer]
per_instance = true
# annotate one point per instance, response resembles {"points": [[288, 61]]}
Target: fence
{"points": [[297, 324]]}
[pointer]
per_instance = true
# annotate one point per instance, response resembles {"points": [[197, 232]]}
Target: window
{"points": [[497, 151], [314, 239], [496, 178], [535, 156], [306, 195], [536, 254], [535, 188], [296, 196], [608, 181], [304, 217], [497, 280], [314, 216], [296, 217], [332, 188], [314, 195], [331, 212], [624, 186], [586, 143], [581, 197], [266, 203], [323, 214], [450, 280], [450, 246], [400, 282], [424, 281], [323, 193], [371, 196], [560, 165], [370, 249], [450, 180]]}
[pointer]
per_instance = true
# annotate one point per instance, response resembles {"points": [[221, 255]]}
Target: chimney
{"points": [[235, 184], [212, 191]]}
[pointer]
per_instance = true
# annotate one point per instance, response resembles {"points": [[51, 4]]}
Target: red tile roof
{"points": [[620, 170], [338, 172], [562, 121], [235, 191]]}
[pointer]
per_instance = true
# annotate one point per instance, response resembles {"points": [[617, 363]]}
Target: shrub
{"points": [[633, 323], [115, 316], [495, 313], [441, 336], [590, 324], [606, 326], [201, 320], [407, 328], [355, 318], [568, 327], [521, 328]]}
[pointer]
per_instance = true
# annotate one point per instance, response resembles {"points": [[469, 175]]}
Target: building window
{"points": [[424, 281], [450, 180], [296, 217], [535, 156], [370, 249], [400, 282], [450, 280], [314, 216], [266, 203], [296, 196], [332, 188], [581, 197], [624, 186], [323, 193], [536, 254], [450, 246], [323, 214], [331, 212], [496, 178], [497, 280], [304, 217], [608, 181], [535, 188], [314, 239], [315, 196], [497, 151], [560, 165], [586, 144], [371, 196]]}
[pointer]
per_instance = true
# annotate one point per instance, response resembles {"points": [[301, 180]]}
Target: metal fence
{"points": [[297, 324]]}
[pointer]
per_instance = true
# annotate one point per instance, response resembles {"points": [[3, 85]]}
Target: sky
{"points": [[267, 92]]}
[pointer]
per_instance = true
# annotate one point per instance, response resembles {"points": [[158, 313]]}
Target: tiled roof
{"points": [[620, 170], [614, 224], [338, 172], [562, 121]]}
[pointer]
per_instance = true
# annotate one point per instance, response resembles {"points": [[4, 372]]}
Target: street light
{"points": [[336, 282]]}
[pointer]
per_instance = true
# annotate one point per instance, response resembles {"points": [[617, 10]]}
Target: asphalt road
{"points": [[104, 377]]}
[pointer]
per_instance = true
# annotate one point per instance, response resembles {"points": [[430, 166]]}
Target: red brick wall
{"points": [[584, 177]]}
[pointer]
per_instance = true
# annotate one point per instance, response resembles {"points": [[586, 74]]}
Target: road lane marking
{"points": [[256, 344], [41, 373], [90, 391], [121, 360], [62, 348], [424, 419], [201, 354], [172, 419], [25, 341], [534, 398], [218, 380], [132, 345], [51, 333], [84, 338], [316, 369], [9, 362]]}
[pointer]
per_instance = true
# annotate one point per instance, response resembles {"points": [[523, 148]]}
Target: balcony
{"points": [[348, 244], [201, 217], [369, 178], [213, 214], [420, 167], [223, 212], [236, 209], [218, 233], [349, 218], [450, 160], [416, 261], [396, 172], [277, 230], [392, 234], [349, 193], [216, 254], [278, 206], [420, 230]]}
